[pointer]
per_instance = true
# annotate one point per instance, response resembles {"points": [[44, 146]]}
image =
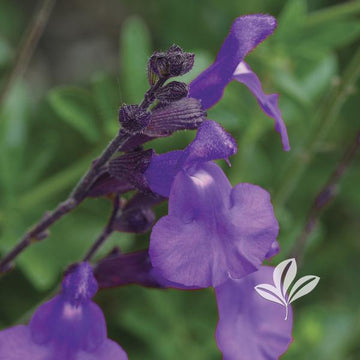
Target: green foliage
{"points": [[47, 144], [134, 52], [75, 107]]}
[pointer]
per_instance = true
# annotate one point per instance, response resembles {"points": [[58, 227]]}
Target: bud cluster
{"points": [[173, 62]]}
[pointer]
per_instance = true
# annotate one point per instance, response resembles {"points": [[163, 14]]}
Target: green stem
{"points": [[27, 46], [322, 122]]}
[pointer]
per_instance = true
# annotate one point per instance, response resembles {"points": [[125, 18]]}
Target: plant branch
{"points": [[324, 197], [79, 193], [107, 231], [322, 122], [38, 232], [27, 47]]}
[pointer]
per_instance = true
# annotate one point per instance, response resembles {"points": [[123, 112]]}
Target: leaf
{"points": [[107, 99], [134, 53], [291, 19], [311, 282], [75, 107], [270, 293], [286, 272]]}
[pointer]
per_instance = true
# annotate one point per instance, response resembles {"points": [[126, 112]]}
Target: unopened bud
{"points": [[158, 67], [133, 118], [174, 62], [172, 92], [180, 62]]}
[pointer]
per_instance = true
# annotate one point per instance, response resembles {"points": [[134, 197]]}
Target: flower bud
{"points": [[174, 62], [158, 67], [133, 118], [172, 92], [131, 167], [180, 62]]}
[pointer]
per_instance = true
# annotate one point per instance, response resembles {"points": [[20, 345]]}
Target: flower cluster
{"points": [[214, 235]]}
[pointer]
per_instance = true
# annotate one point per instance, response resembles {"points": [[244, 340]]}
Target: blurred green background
{"points": [[92, 58]]}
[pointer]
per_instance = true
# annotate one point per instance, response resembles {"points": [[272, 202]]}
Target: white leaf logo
{"points": [[284, 274]]}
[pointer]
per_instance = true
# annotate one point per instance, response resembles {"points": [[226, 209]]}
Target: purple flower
{"points": [[250, 327], [68, 327], [213, 231], [246, 33]]}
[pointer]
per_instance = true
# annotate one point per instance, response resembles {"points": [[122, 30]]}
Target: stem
{"points": [[324, 197], [323, 121], [76, 197], [79, 192], [108, 230], [28, 44], [150, 94]]}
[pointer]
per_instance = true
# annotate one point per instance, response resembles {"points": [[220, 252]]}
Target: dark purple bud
{"points": [[123, 269], [135, 221], [184, 114], [158, 67], [131, 167], [133, 118], [174, 62], [119, 269], [172, 92], [180, 62], [107, 184], [137, 216]]}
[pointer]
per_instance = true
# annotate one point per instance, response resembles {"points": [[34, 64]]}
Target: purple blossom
{"points": [[249, 326], [245, 34], [68, 327], [213, 231]]}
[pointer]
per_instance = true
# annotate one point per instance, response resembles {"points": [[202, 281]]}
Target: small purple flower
{"points": [[250, 327], [68, 327], [246, 33], [213, 231]]}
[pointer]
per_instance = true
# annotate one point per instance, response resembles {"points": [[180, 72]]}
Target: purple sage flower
{"points": [[250, 327], [246, 33], [68, 327], [213, 231]]}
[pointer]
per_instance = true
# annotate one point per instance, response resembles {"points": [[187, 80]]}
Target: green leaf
{"points": [[14, 116], [319, 78], [291, 19], [330, 35], [134, 53], [107, 99], [6, 52], [75, 107]]}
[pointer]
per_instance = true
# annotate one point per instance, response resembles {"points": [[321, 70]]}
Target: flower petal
{"points": [[184, 246], [61, 323], [16, 344], [254, 222], [245, 34], [251, 327], [162, 170], [212, 142], [269, 103], [212, 232]]}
